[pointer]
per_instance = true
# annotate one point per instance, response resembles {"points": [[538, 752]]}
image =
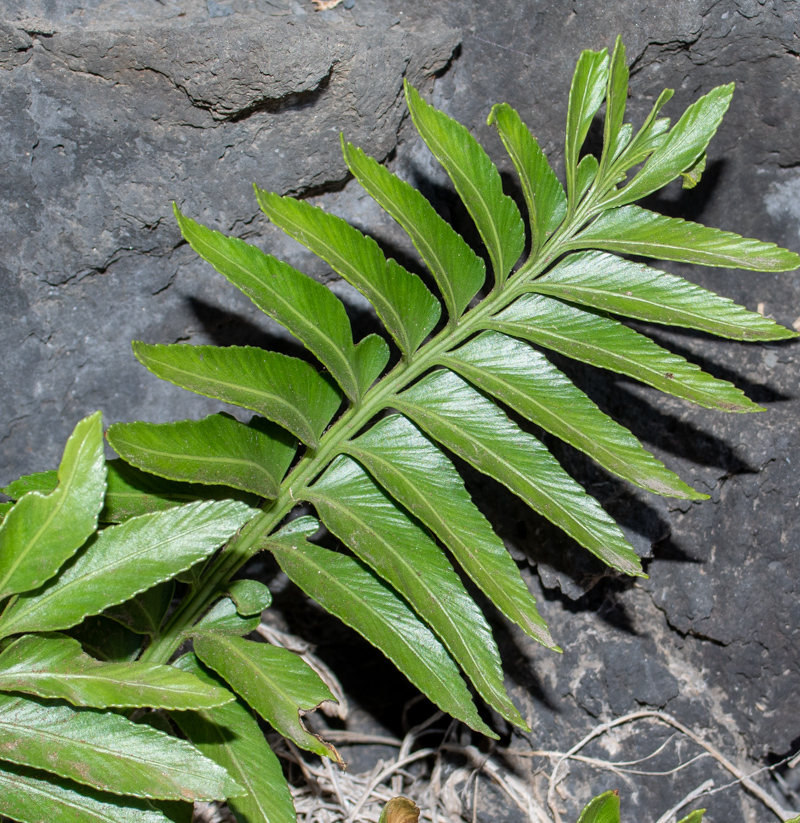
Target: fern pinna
{"points": [[365, 441]]}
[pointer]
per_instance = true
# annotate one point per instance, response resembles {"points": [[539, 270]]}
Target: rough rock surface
{"points": [[107, 117], [103, 126]]}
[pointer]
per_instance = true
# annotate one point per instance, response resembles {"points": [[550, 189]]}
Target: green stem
{"points": [[250, 540]]}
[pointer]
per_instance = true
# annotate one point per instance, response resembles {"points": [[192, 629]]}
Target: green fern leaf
{"points": [[681, 148], [218, 450], [602, 809], [350, 590], [250, 597], [123, 561], [41, 532], [29, 796], [622, 287], [383, 483], [477, 182], [601, 341], [418, 475], [472, 427], [274, 682], [366, 520], [284, 389], [306, 308], [56, 667], [615, 137], [402, 301], [230, 736], [107, 751], [633, 230], [458, 271], [525, 380], [224, 619], [544, 194], [585, 98]]}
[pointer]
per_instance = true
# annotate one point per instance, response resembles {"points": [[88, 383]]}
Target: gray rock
{"points": [[102, 127]]}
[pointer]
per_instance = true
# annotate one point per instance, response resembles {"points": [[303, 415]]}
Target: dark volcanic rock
{"points": [[108, 115], [103, 127]]}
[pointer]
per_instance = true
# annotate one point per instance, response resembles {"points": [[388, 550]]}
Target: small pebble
{"points": [[348, 4]]}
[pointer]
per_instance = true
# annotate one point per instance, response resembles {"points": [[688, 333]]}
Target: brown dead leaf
{"points": [[400, 810]]}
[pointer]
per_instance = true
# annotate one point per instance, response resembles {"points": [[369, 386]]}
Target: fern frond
{"points": [[383, 484]]}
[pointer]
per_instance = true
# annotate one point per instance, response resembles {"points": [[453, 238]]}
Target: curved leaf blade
{"points": [[601, 341], [602, 809], [475, 429], [57, 667], [614, 138], [230, 736], [288, 391], [30, 796], [218, 450], [249, 596], [633, 230], [40, 533], [681, 148], [309, 310], [477, 182], [125, 560], [369, 522], [42, 482], [585, 97], [458, 271], [348, 589], [525, 380], [544, 194], [274, 682], [402, 301], [613, 284], [224, 618], [108, 752], [417, 474]]}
